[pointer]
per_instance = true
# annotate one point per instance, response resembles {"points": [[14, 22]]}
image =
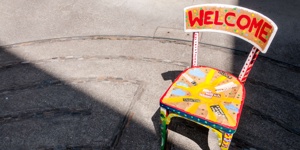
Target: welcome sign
{"points": [[247, 24]]}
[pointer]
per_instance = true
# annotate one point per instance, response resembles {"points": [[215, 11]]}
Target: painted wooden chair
{"points": [[208, 96]]}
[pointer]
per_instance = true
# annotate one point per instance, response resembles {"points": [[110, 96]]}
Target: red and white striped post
{"points": [[248, 64], [195, 49]]}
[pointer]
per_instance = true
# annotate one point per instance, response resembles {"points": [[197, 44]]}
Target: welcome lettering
{"points": [[243, 22]]}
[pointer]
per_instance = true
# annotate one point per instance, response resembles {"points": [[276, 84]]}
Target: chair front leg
{"points": [[226, 141], [164, 127]]}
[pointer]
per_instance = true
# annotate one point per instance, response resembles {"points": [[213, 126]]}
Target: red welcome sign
{"points": [[244, 23]]}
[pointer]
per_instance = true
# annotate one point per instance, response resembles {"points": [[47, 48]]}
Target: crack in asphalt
{"points": [[45, 113], [269, 118], [129, 114], [53, 82], [294, 98], [291, 67], [4, 66], [58, 112]]}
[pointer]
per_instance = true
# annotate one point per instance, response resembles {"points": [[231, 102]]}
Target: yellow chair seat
{"points": [[208, 96]]}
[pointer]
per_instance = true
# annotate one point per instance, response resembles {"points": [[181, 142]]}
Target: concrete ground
{"points": [[89, 75]]}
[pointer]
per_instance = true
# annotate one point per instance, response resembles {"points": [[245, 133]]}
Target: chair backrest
{"points": [[243, 23]]}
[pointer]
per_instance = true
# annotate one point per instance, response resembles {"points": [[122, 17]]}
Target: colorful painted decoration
{"points": [[207, 94], [211, 97], [244, 23]]}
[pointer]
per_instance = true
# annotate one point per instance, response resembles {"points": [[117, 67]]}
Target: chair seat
{"points": [[206, 95]]}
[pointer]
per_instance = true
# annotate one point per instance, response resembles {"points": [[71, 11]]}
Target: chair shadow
{"points": [[189, 129], [171, 75]]}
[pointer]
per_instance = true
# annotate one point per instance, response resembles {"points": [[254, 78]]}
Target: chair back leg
{"points": [[195, 49], [248, 64]]}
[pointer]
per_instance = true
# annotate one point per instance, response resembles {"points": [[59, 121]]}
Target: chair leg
{"points": [[219, 135], [164, 127], [226, 141]]}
